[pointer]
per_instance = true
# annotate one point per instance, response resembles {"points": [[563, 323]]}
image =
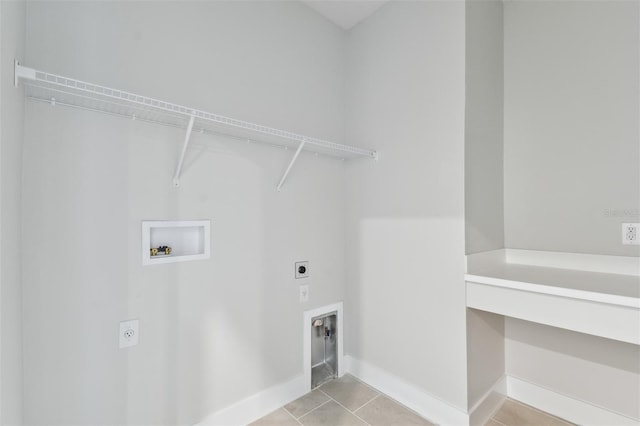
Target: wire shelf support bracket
{"points": [[293, 160], [187, 136], [20, 72], [58, 90]]}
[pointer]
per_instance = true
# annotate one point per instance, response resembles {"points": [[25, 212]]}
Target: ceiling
{"points": [[345, 13]]}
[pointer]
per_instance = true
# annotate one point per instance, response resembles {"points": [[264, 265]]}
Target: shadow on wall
{"points": [[600, 371], [619, 355], [224, 326]]}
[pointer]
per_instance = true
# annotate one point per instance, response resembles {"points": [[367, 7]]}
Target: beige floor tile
{"points": [[280, 417], [492, 422], [331, 414], [383, 411], [349, 392], [304, 404], [515, 414]]}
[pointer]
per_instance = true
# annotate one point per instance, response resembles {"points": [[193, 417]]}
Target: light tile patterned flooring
{"points": [[514, 413], [349, 402]]}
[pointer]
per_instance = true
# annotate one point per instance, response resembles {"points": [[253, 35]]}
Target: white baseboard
{"points": [[258, 405], [491, 402], [407, 394], [563, 406], [428, 406]]}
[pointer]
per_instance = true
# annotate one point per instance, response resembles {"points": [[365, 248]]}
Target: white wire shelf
{"points": [[58, 90]]}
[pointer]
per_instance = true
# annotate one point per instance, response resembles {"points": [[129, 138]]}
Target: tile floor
{"points": [[514, 413], [349, 402]]}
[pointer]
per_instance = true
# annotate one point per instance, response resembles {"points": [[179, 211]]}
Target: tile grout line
{"points": [[291, 414], [387, 396], [312, 410], [349, 411], [356, 414], [544, 413], [366, 403], [363, 420], [410, 410], [325, 394], [380, 393], [362, 383], [398, 403], [500, 423], [366, 384]]}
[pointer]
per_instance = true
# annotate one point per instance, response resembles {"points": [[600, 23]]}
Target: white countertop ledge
{"points": [[613, 280], [619, 290], [597, 295]]}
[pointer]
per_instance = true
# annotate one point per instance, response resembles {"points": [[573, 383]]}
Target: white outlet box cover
{"points": [[631, 233], [129, 333]]}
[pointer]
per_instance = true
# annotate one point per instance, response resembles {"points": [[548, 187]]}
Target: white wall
{"points": [[212, 332], [405, 215], [572, 150], [572, 141], [484, 198], [12, 27], [485, 353], [602, 372]]}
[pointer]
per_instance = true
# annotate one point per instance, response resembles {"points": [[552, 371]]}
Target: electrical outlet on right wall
{"points": [[631, 233]]}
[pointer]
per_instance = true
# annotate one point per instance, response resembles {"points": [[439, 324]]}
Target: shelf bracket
{"points": [[187, 136], [22, 72], [293, 160]]}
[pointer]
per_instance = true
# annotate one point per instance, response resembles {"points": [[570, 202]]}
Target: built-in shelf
{"points": [[65, 91], [597, 303], [189, 240]]}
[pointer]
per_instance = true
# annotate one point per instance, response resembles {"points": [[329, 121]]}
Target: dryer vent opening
{"points": [[324, 358]]}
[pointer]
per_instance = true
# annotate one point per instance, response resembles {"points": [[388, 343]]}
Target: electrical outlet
{"points": [[304, 293], [302, 269], [129, 333], [631, 233]]}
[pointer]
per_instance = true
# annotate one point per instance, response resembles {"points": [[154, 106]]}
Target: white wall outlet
{"points": [[302, 269], [631, 233], [129, 333], [304, 293]]}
